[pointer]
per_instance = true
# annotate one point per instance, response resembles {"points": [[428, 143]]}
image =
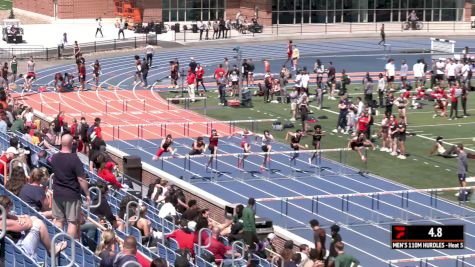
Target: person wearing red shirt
{"points": [[266, 66], [219, 73], [82, 75], [185, 236], [213, 145], [290, 49], [191, 81], [106, 173], [200, 72], [454, 102], [219, 250], [5, 159], [363, 123], [74, 127]]}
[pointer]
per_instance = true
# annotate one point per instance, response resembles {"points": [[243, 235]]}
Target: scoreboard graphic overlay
{"points": [[427, 236]]}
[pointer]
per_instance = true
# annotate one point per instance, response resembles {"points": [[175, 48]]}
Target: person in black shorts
{"points": [[213, 145], [317, 137], [295, 142], [401, 138], [198, 147], [266, 147], [359, 143]]}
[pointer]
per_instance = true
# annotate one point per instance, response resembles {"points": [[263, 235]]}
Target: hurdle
{"points": [[186, 126], [368, 206], [426, 260], [187, 102], [49, 104], [124, 105]]}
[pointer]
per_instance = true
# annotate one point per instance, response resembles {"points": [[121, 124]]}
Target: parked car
{"points": [[12, 31]]}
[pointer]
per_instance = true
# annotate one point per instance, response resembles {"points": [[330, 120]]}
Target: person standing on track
{"points": [[165, 146], [96, 72], [198, 147], [138, 70], [295, 142], [31, 74], [99, 27], [77, 50], [121, 29], [145, 68], [149, 54], [383, 35], [173, 74], [82, 75], [316, 141], [245, 145], [290, 49], [213, 146], [266, 147]]}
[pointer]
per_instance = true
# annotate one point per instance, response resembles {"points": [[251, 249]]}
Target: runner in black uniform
{"points": [[358, 143], [198, 147], [317, 137], [295, 142], [165, 146]]}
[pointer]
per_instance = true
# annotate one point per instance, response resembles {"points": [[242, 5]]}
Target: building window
{"points": [[193, 10], [337, 11]]}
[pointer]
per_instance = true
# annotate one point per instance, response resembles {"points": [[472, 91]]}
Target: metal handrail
{"points": [[137, 214], [4, 222], [50, 182], [208, 231], [234, 247], [99, 193], [277, 256], [53, 249], [132, 263], [163, 228]]}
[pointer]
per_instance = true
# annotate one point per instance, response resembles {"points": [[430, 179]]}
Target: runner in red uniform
{"points": [[290, 48], [213, 145], [245, 144], [165, 146], [200, 72]]}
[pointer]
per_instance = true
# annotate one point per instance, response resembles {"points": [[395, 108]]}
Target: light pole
{"points": [[238, 58]]}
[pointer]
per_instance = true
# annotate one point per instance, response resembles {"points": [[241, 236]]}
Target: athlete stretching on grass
{"points": [[266, 147], [295, 142], [245, 144], [213, 145], [165, 146], [317, 138]]}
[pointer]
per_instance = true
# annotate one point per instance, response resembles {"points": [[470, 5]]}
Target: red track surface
{"points": [[125, 111]]}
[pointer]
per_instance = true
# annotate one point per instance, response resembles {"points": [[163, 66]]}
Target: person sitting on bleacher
{"points": [[5, 159], [219, 250], [16, 180], [104, 211], [127, 253], [185, 235], [191, 214], [143, 224], [178, 198], [105, 172], [28, 231], [166, 209], [106, 248], [35, 194]]}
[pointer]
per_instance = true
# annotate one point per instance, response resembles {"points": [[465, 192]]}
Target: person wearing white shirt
{"points": [[304, 80], [149, 54], [465, 73], [167, 209], [99, 27], [450, 70], [298, 79], [403, 71], [390, 70], [381, 89], [200, 27], [419, 75], [439, 70]]}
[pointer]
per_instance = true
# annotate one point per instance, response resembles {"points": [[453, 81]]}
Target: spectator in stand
{"points": [[167, 209], [304, 251], [106, 173], [192, 212], [335, 229], [319, 237], [159, 262], [313, 259], [16, 181], [343, 259], [249, 224], [104, 210], [69, 180], [185, 236], [28, 115], [35, 194], [219, 250], [127, 253], [18, 124], [28, 231], [5, 159], [3, 122], [178, 199], [96, 131], [106, 248]]}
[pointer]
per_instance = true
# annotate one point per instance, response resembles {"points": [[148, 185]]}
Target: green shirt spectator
{"points": [[18, 125], [249, 219], [343, 259]]}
